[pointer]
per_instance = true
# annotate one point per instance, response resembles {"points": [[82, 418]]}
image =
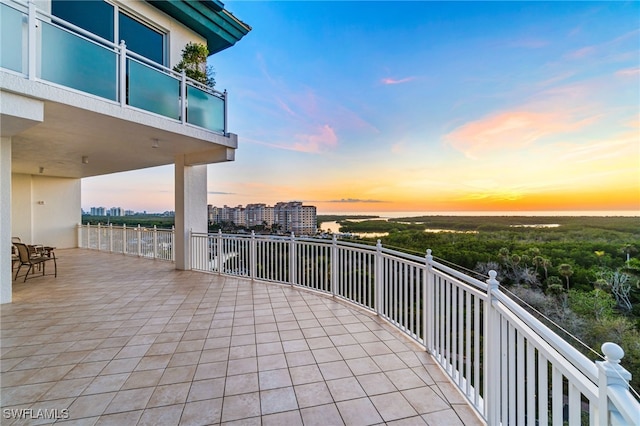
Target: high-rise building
{"points": [[287, 216], [98, 211], [294, 217]]}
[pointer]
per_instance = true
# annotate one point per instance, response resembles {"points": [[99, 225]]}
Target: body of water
{"points": [[600, 213], [334, 227]]}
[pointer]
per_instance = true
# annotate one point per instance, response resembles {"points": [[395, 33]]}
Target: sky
{"points": [[422, 106]]}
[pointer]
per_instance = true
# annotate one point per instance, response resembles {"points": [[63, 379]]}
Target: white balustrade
{"points": [[511, 368], [151, 243]]}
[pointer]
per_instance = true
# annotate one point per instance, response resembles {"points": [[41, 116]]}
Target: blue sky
{"points": [[423, 106]]}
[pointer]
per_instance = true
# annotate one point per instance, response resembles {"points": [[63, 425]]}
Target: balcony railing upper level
{"points": [[43, 47], [511, 367]]}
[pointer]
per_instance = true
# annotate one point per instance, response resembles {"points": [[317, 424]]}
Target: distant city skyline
{"points": [[423, 107]]}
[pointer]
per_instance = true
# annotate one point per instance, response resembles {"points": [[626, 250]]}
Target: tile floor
{"points": [[117, 340]]}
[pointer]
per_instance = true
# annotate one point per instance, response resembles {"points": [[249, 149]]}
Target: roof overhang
{"points": [[208, 18]]}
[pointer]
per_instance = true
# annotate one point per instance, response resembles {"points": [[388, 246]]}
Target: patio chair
{"points": [[35, 250], [27, 259]]}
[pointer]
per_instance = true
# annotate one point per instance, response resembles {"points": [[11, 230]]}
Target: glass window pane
{"points": [[91, 15], [11, 40], [75, 62], [153, 90], [205, 110], [141, 39]]}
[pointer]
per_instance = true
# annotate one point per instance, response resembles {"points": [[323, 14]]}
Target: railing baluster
{"points": [[124, 239], [32, 42], [377, 279], [477, 360], [429, 301], [452, 331], [520, 384], [511, 359], [543, 390], [492, 379], [155, 242], [531, 384], [220, 252], [557, 400], [122, 74]]}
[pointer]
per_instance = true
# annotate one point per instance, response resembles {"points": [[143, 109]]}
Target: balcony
{"points": [[70, 95], [126, 340], [55, 51], [509, 366]]}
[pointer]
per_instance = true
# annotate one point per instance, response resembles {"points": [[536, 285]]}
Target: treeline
{"points": [[146, 221]]}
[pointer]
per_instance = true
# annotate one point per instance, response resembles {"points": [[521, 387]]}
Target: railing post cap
{"points": [[335, 238], [612, 352], [379, 244], [253, 233], [492, 281], [429, 256], [611, 372]]}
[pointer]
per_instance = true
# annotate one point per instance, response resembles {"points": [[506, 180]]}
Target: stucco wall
{"points": [[45, 210], [21, 215]]}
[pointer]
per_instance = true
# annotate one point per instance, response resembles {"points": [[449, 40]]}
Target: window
{"points": [[141, 39], [93, 16], [98, 17]]}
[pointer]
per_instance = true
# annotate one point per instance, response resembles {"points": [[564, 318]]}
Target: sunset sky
{"points": [[422, 106]]}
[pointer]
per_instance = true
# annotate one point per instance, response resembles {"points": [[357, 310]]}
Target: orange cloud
{"points": [[509, 130]]}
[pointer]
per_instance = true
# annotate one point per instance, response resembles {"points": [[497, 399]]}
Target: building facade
{"points": [[290, 216]]}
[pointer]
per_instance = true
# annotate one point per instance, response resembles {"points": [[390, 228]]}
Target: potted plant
{"points": [[194, 64]]}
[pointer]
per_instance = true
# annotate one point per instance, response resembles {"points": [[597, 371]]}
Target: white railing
{"points": [[512, 369], [47, 48], [152, 243]]}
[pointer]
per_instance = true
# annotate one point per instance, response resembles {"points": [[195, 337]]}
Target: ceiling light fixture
{"points": [[85, 159], [41, 170], [156, 143]]}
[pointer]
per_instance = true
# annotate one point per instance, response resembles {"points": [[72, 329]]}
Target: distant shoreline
{"points": [[541, 213]]}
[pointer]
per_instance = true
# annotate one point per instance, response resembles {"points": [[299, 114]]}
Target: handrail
{"points": [[508, 365]]}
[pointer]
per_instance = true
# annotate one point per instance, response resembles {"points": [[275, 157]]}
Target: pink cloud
{"points": [[388, 81], [324, 137], [628, 72], [285, 107], [509, 130], [581, 53]]}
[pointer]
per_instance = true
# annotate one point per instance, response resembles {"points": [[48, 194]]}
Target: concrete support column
{"points": [[5, 220], [191, 207]]}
